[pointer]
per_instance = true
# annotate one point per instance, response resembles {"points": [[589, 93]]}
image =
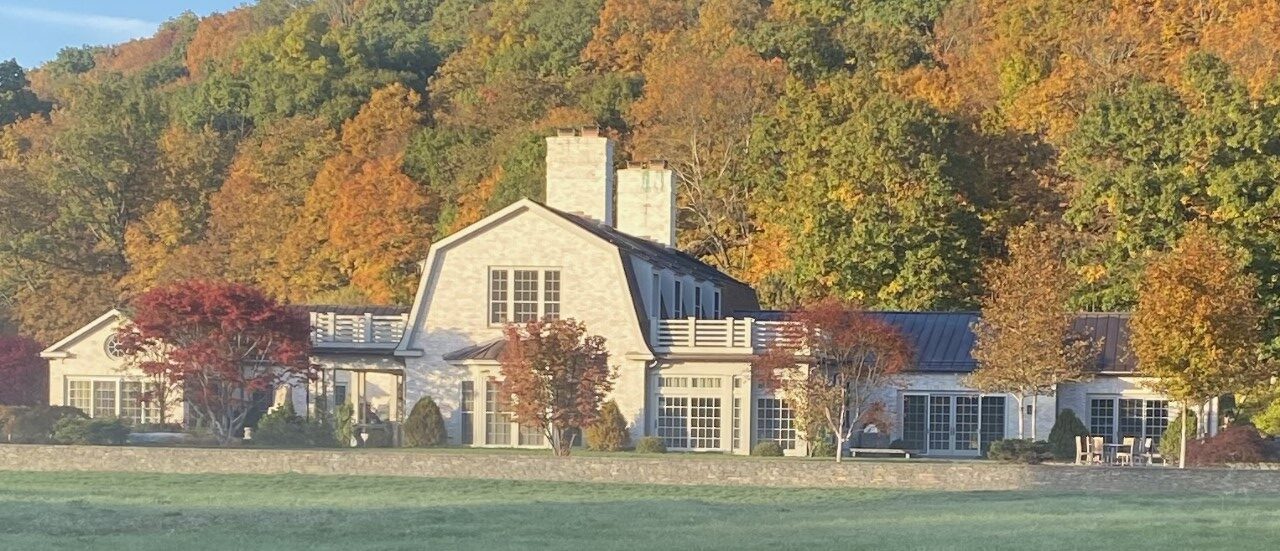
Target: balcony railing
{"points": [[333, 330], [719, 336]]}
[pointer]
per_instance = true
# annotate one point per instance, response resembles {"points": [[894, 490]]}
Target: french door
{"points": [[952, 424]]}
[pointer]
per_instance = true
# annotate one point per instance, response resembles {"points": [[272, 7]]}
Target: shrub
{"points": [[377, 437], [651, 444], [768, 448], [101, 431], [1016, 450], [1171, 441], [1237, 444], [344, 424], [34, 425], [1062, 439], [282, 427], [425, 426], [609, 432], [822, 448], [1268, 419]]}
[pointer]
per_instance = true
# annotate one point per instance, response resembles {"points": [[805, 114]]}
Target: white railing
{"points": [[730, 335], [329, 329]]}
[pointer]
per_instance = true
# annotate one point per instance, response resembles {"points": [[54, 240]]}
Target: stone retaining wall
{"points": [[668, 469]]}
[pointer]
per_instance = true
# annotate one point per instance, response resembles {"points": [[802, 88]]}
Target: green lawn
{"points": [[145, 511]]}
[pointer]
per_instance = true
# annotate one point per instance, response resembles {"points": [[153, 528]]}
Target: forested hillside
{"points": [[874, 149]]}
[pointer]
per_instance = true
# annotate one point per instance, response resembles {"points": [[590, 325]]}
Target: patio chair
{"points": [[1082, 450], [1124, 456], [1096, 447], [1150, 453]]}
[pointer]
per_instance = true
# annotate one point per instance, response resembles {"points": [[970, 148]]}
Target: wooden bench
{"points": [[853, 452]]}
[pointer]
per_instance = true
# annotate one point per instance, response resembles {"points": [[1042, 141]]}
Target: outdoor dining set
{"points": [[1095, 450]]}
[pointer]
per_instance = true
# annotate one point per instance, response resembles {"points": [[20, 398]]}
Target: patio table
{"points": [[1109, 452]]}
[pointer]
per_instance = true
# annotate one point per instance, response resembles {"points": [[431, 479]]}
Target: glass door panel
{"points": [[966, 415], [939, 423]]}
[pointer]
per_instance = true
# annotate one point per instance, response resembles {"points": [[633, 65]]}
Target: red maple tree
{"points": [[222, 343], [554, 378], [24, 375], [829, 361]]}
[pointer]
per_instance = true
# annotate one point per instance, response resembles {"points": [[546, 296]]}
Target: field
{"points": [[153, 511]]}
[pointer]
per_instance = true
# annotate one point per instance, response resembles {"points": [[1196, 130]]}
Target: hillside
{"points": [[874, 149]]}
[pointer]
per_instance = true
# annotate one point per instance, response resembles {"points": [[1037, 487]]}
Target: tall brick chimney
{"points": [[647, 202], [580, 175]]}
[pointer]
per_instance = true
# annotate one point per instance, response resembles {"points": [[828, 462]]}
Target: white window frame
{"points": [[1170, 414], [687, 392], [546, 306], [677, 300], [149, 413]]}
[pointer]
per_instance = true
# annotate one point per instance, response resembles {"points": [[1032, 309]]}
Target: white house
{"points": [[680, 333]]}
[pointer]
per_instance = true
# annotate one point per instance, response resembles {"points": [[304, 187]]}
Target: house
{"points": [[680, 333]]}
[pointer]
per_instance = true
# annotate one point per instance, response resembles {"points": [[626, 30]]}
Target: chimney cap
{"points": [[656, 164], [566, 132], [590, 131]]}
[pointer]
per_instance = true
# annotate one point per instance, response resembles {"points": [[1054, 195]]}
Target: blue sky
{"points": [[34, 31]]}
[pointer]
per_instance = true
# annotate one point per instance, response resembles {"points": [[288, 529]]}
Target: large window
{"points": [[691, 423], [1114, 418], [704, 423], [497, 425], [673, 421], [776, 421], [107, 397], [523, 295], [964, 424], [466, 408]]}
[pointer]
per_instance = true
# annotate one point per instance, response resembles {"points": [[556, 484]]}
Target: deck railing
{"points": [[329, 329], [729, 336]]}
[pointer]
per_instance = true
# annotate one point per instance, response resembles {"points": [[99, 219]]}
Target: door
{"points": [[963, 424]]}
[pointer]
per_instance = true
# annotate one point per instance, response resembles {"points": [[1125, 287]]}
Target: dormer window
{"points": [[697, 302], [716, 311], [522, 295], [678, 299]]}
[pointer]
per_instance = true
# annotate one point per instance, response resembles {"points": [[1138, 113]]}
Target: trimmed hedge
{"points": [[282, 427], [768, 448], [651, 444], [102, 431], [1017, 450], [1062, 439], [609, 432], [34, 425], [425, 426]]}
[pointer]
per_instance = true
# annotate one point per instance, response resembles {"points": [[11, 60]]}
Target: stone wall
{"points": [[670, 469]]}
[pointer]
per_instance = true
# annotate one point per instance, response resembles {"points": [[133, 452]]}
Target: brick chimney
{"points": [[580, 175], [647, 202]]}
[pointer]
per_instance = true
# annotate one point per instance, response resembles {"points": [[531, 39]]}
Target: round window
{"points": [[114, 350]]}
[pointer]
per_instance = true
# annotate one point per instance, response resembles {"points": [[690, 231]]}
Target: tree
{"points": [[609, 432], [1197, 327], [1024, 342], [24, 373], [829, 361], [554, 377], [425, 427], [17, 101], [227, 345]]}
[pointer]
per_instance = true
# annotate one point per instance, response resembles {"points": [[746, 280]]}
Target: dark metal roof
{"points": [[491, 350], [943, 341], [360, 310]]}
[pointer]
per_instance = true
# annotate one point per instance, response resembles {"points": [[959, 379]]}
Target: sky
{"points": [[34, 31]]}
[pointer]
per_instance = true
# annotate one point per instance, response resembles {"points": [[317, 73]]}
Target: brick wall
{"points": [[670, 469]]}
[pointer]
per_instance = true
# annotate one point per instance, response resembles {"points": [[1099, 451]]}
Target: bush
{"points": [[651, 444], [158, 427], [425, 426], [822, 448], [1237, 444], [768, 448], [34, 425], [282, 427], [1171, 441], [1016, 450], [101, 431], [1062, 439], [609, 432], [377, 437], [344, 424], [1268, 419]]}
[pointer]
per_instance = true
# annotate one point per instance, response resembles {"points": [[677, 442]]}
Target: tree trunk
{"points": [[1182, 446], [1021, 432], [1035, 398], [839, 447]]}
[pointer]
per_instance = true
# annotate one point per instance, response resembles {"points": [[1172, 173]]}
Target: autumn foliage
{"points": [[24, 375], [829, 362], [555, 376], [222, 343]]}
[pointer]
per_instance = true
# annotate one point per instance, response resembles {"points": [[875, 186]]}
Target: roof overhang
{"points": [[57, 349]]}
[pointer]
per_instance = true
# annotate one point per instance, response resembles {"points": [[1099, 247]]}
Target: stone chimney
{"points": [[647, 202], [580, 173]]}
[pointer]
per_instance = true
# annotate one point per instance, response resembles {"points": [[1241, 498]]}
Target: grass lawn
{"points": [[154, 511]]}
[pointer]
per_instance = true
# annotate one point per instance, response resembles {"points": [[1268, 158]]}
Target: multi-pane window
{"points": [[80, 395], [697, 302], [716, 312], [673, 421], [678, 300], [551, 294], [673, 382], [523, 295], [131, 406], [498, 296], [1115, 418], [736, 438], [962, 423], [112, 398], [776, 421], [530, 436], [466, 408], [497, 425], [704, 423], [104, 399]]}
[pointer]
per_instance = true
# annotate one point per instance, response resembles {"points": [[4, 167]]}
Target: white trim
{"points": [[55, 351]]}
